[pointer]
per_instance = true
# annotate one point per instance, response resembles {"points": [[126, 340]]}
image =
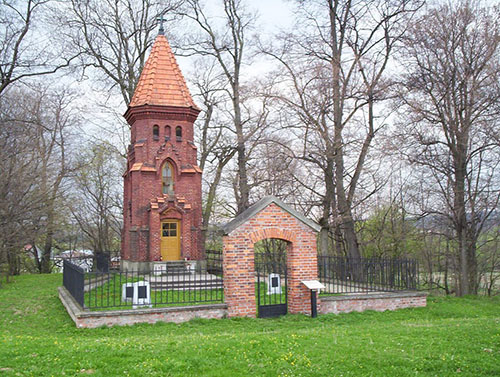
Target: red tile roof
{"points": [[161, 81]]}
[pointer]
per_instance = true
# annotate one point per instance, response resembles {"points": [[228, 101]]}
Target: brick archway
{"points": [[268, 218]]}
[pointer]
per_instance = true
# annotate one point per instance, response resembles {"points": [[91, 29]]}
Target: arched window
{"points": [[167, 133], [156, 132], [167, 178], [178, 133]]}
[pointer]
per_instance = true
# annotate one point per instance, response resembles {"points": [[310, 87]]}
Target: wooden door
{"points": [[170, 240]]}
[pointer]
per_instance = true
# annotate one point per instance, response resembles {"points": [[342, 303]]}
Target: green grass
{"points": [[271, 299], [451, 337]]}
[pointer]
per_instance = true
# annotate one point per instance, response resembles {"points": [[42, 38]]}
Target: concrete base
{"points": [[88, 319], [372, 301], [127, 265], [201, 266]]}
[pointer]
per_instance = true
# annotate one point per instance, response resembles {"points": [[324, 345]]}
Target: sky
{"points": [[272, 16]]}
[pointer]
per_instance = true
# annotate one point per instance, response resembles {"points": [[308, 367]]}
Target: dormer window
{"points": [[178, 133], [167, 178], [156, 132], [167, 133]]}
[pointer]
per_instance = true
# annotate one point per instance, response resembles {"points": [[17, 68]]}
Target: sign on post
{"points": [[313, 286]]}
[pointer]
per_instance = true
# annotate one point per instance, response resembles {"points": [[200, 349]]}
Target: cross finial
{"points": [[161, 19]]}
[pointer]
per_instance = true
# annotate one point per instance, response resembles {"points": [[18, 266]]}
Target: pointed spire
{"points": [[161, 82]]}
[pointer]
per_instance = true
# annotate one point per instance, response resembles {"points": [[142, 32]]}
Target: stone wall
{"points": [[88, 319], [372, 301]]}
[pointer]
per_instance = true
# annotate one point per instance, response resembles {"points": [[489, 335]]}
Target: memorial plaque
{"points": [[142, 291], [130, 292], [142, 295], [274, 284], [127, 292]]}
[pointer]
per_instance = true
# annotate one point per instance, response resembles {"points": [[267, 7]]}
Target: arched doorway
{"points": [[271, 277], [269, 218]]}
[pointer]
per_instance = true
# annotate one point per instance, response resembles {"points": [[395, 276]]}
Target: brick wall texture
{"points": [[238, 260], [161, 106], [145, 206], [377, 302]]}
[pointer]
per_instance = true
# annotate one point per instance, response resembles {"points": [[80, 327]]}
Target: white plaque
{"points": [[313, 285], [127, 292], [274, 284], [142, 295]]}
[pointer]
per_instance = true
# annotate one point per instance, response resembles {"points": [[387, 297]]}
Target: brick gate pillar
{"points": [[302, 263], [239, 281], [268, 218]]}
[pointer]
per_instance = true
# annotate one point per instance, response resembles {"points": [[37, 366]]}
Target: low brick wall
{"points": [[88, 319], [372, 301]]}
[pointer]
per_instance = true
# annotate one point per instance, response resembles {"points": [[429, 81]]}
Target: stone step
{"points": [[186, 285], [175, 268]]}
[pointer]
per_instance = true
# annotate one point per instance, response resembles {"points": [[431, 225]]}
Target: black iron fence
{"points": [[358, 275], [214, 261], [74, 280], [177, 285]]}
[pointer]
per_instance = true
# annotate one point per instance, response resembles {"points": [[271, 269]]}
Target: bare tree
{"points": [[216, 150], [335, 64], [35, 128], [227, 44], [96, 205], [19, 199], [451, 98], [24, 49], [53, 120], [113, 37]]}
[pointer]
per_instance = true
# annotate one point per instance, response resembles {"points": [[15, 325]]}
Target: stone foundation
{"points": [[372, 301], [127, 265], [88, 319]]}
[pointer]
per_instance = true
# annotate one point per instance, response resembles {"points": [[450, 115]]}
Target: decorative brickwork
{"points": [[161, 105], [273, 220]]}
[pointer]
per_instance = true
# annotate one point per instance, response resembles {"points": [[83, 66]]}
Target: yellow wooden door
{"points": [[170, 240]]}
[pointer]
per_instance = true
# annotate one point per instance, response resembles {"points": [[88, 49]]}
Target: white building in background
{"points": [[80, 258]]}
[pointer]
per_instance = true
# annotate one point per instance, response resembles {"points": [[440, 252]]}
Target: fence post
{"points": [[73, 281]]}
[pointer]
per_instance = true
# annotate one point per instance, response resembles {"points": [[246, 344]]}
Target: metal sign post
{"points": [[314, 286]]}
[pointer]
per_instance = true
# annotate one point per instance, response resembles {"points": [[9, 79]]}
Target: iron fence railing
{"points": [[74, 280], [357, 275], [214, 261], [158, 287]]}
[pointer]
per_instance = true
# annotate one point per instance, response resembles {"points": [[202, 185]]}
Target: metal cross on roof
{"points": [[161, 19]]}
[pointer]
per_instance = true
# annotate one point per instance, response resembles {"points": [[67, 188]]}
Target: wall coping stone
{"points": [[370, 296], [76, 311]]}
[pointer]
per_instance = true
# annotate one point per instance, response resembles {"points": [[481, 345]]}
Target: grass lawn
{"points": [[459, 337]]}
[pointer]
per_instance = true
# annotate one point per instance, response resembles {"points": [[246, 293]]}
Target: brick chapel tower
{"points": [[162, 184]]}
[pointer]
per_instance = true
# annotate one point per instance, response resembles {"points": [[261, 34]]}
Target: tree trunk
{"points": [[244, 191], [45, 267]]}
